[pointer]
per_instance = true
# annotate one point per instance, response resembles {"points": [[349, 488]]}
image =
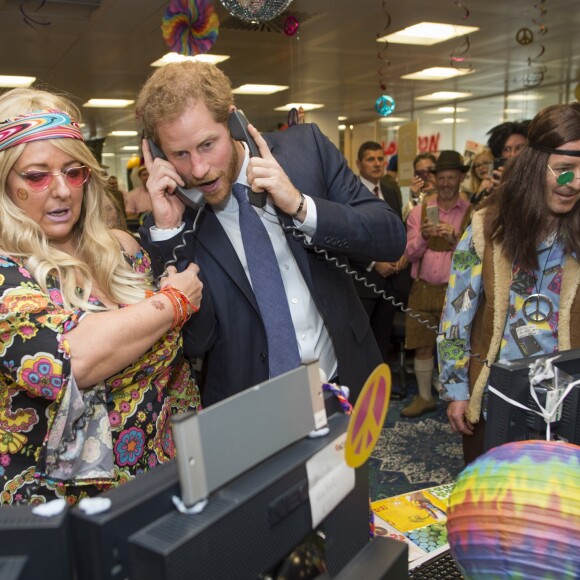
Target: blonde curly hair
{"points": [[99, 257]]}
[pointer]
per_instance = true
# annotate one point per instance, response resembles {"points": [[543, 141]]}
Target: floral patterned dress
{"points": [[130, 412]]}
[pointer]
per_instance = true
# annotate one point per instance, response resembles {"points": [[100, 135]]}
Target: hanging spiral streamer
{"points": [[525, 36], [458, 58], [385, 104], [29, 20]]}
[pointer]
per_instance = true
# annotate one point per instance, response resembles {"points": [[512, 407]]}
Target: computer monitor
{"points": [[252, 524], [34, 546], [506, 422]]}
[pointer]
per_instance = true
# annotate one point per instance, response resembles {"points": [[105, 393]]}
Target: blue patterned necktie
{"points": [[283, 353]]}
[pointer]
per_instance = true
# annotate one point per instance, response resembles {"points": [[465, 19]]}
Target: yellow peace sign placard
{"points": [[368, 416]]}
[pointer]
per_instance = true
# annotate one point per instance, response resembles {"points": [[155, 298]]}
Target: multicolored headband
{"points": [[51, 124], [544, 149]]}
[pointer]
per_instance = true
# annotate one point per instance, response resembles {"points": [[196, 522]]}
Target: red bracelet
{"points": [[185, 300]]}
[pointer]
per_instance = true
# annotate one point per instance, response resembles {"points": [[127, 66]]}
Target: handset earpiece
{"points": [[190, 197]]}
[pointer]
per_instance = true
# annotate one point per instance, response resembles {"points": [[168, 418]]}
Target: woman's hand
{"points": [[417, 185], [186, 281]]}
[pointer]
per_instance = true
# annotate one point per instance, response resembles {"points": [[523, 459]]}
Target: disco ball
{"points": [[255, 10]]}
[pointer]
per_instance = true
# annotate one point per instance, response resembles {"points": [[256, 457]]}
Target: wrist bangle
{"points": [[300, 207]]}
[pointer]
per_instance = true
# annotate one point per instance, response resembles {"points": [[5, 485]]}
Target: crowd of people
{"points": [[493, 253], [99, 334]]}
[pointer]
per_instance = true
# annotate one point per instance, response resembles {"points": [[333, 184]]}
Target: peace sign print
{"points": [[524, 36], [368, 416]]}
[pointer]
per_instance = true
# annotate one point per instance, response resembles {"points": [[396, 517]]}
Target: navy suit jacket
{"points": [[228, 331], [391, 196]]}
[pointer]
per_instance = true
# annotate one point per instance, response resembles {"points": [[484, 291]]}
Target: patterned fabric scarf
{"points": [[51, 124]]}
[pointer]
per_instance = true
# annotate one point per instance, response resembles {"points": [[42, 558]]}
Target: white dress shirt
{"points": [[311, 334]]}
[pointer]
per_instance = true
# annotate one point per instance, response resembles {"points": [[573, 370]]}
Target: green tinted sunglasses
{"points": [[564, 178]]}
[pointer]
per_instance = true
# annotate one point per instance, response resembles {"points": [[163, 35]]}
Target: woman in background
{"points": [[479, 178], [92, 366]]}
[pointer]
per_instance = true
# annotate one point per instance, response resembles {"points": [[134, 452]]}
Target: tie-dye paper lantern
{"points": [[515, 513]]}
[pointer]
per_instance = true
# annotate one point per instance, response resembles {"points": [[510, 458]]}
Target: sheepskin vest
{"points": [[490, 319]]}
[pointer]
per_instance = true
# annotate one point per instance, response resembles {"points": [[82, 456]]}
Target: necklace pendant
{"points": [[537, 308]]}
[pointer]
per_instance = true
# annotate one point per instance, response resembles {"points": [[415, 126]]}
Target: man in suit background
{"points": [[392, 277], [311, 192]]}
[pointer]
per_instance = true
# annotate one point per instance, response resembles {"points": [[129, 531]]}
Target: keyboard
{"points": [[440, 567]]}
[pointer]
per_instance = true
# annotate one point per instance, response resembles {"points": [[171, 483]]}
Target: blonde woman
{"points": [[92, 366], [479, 182]]}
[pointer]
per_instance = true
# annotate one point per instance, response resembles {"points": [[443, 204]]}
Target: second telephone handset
{"points": [[238, 127]]}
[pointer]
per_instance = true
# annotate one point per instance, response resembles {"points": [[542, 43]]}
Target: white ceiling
{"points": [[103, 48]]}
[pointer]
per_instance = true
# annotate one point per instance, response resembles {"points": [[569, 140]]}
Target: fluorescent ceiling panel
{"points": [[13, 82], [436, 73], [108, 103], [250, 89], [427, 33], [305, 106], [171, 57], [443, 96]]}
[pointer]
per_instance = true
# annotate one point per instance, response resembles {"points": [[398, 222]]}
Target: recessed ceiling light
{"points": [[171, 57], [123, 133], [525, 97], [512, 111], [446, 110], [130, 148], [305, 106], [342, 118], [443, 96], [107, 155], [436, 73], [393, 119], [108, 103], [250, 89], [427, 33], [10, 81], [341, 127], [449, 121]]}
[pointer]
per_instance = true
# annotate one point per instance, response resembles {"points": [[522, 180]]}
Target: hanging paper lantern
{"points": [[385, 105], [190, 27], [255, 10], [515, 513]]}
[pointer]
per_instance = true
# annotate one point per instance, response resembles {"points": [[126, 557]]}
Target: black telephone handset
{"points": [[238, 126], [190, 197]]}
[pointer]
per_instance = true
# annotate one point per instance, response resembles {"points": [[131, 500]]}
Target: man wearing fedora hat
{"points": [[433, 230]]}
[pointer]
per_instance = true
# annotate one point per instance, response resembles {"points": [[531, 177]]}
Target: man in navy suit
{"points": [[392, 277], [312, 196]]}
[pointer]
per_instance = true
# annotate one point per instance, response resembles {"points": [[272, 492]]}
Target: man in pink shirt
{"points": [[433, 230]]}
